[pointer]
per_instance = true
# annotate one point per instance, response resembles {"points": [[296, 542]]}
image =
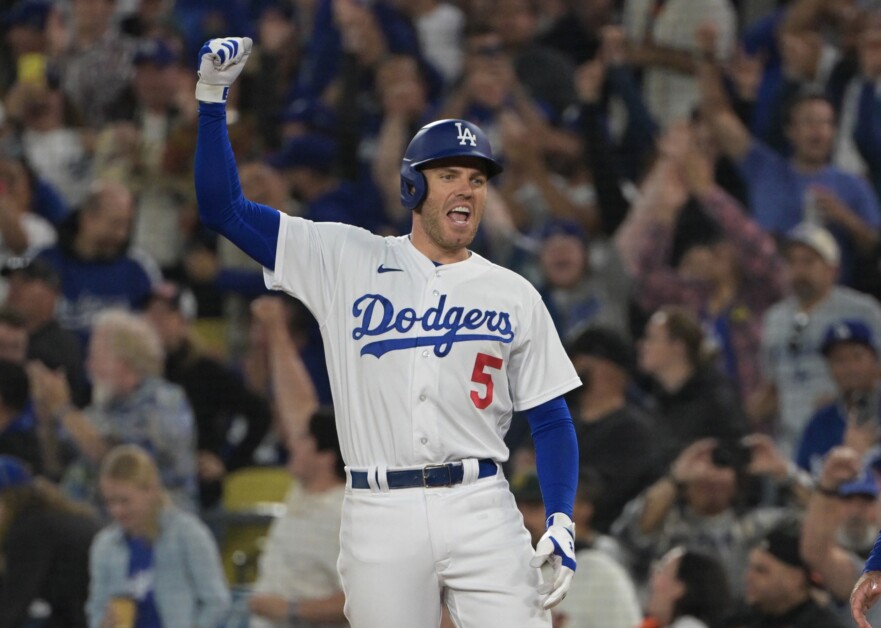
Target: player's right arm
{"points": [[222, 206]]}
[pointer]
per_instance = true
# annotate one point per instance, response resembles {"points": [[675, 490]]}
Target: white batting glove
{"points": [[220, 63], [557, 547]]}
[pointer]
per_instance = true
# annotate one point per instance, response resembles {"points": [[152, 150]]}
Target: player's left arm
{"points": [[556, 452]]}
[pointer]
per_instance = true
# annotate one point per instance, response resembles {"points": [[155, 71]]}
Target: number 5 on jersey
{"points": [[480, 376]]}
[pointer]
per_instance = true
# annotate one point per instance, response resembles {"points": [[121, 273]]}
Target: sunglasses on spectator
{"points": [[795, 343]]}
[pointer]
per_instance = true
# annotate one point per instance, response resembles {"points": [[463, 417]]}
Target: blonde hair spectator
{"points": [[133, 340], [177, 574]]}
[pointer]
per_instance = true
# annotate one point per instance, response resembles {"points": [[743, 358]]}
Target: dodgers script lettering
{"points": [[377, 316]]}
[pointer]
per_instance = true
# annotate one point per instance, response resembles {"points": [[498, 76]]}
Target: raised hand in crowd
{"points": [[800, 54], [746, 71], [833, 210]]}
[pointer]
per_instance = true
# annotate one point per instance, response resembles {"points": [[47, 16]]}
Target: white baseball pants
{"points": [[404, 552]]}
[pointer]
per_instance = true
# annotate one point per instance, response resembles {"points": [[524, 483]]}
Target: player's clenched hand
{"points": [[220, 63], [866, 592], [557, 547]]}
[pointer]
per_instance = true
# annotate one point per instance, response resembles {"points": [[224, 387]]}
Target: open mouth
{"points": [[459, 215]]}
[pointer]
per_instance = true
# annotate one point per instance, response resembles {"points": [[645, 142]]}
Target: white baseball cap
{"points": [[816, 238]]}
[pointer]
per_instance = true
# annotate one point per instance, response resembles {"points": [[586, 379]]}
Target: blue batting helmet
{"points": [[439, 140]]}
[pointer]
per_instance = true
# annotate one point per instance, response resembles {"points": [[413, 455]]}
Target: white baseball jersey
{"points": [[426, 363]]}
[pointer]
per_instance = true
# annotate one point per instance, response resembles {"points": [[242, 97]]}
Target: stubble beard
{"points": [[431, 223]]}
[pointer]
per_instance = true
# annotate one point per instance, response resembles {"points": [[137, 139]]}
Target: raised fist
{"points": [[220, 63]]}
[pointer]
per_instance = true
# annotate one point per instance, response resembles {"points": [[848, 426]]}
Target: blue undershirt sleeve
{"points": [[873, 563], [556, 454], [222, 206]]}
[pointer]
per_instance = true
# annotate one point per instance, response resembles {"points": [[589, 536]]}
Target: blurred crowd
{"points": [[692, 186]]}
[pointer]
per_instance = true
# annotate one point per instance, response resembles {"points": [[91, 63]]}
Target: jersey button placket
{"points": [[425, 378]]}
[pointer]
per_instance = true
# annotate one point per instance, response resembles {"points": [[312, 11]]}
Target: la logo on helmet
{"points": [[465, 135]]}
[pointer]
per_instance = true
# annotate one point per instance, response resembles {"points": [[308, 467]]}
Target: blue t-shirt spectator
{"points": [[777, 194]]}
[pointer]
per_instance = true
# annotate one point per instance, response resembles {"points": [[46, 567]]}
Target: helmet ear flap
{"points": [[413, 187]]}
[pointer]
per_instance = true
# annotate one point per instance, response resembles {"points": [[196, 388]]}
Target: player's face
{"points": [[447, 221]]}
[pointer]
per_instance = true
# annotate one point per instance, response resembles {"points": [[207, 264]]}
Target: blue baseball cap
{"points": [[863, 485], [28, 13], [311, 112], [311, 150], [564, 227], [13, 472], [848, 331], [155, 51]]}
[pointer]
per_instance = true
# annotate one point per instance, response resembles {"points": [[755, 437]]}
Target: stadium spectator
{"points": [[852, 418], [615, 435], [297, 582], [779, 588], [440, 28], [18, 425], [582, 282], [840, 525], [162, 558], [131, 403], [308, 163], [704, 254], [613, 149], [662, 43], [784, 192], [22, 231], [13, 336], [44, 541], [134, 153], [25, 34], [701, 504], [796, 380], [231, 420], [694, 400], [297, 578], [688, 589], [93, 260], [545, 74], [96, 64], [34, 288]]}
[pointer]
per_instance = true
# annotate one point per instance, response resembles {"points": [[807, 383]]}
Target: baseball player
{"points": [[430, 348]]}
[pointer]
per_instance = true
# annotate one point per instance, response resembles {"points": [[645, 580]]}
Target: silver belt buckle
{"points": [[426, 469]]}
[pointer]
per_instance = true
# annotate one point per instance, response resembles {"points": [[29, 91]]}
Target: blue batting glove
{"points": [[220, 63], [556, 547]]}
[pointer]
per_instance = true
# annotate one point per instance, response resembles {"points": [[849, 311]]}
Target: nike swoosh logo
{"points": [[383, 269]]}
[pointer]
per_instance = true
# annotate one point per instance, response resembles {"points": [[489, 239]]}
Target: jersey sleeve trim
{"points": [[562, 389]]}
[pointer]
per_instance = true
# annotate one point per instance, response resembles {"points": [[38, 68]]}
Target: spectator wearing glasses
{"points": [[851, 353], [797, 380]]}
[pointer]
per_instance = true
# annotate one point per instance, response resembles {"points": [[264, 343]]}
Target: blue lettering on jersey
{"points": [[377, 317]]}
